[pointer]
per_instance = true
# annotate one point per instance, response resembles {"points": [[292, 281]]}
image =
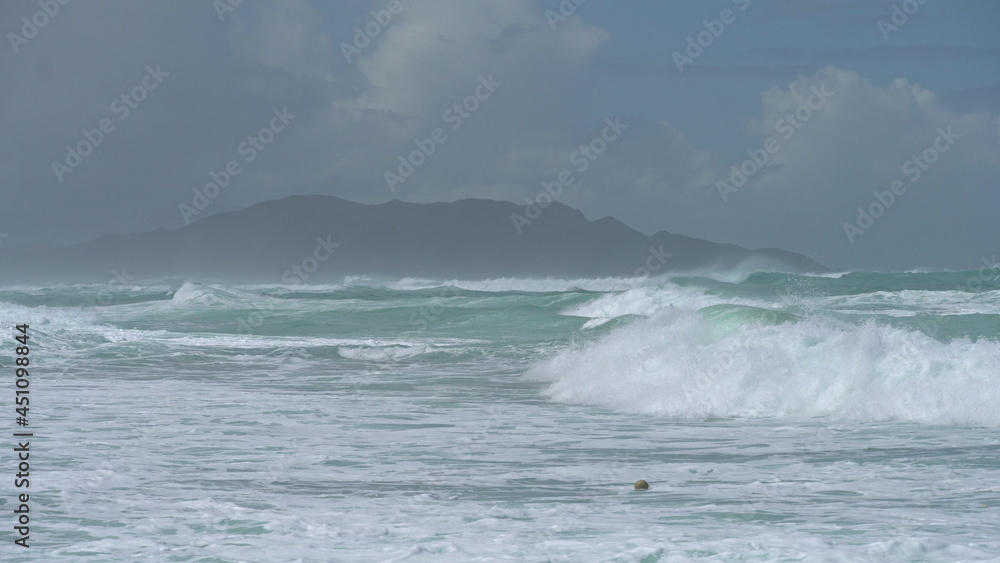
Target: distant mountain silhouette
{"points": [[321, 238]]}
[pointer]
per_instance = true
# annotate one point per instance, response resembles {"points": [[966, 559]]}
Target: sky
{"points": [[864, 134]]}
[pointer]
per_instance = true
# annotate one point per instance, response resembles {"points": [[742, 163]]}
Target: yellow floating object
{"points": [[641, 484]]}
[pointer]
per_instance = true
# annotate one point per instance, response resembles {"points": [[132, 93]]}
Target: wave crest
{"points": [[686, 364]]}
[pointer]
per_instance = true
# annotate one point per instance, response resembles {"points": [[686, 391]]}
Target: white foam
{"points": [[679, 364]]}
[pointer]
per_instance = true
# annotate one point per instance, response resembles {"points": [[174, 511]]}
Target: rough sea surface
{"points": [[849, 417]]}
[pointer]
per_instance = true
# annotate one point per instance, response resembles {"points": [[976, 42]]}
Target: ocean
{"points": [[777, 417]]}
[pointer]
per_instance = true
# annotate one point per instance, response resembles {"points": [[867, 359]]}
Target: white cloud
{"points": [[438, 48], [284, 35]]}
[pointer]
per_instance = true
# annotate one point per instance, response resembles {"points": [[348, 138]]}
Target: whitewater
{"points": [[777, 417]]}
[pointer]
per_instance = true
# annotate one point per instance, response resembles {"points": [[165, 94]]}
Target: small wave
{"points": [[735, 316], [192, 293], [529, 285], [382, 353], [643, 301]]}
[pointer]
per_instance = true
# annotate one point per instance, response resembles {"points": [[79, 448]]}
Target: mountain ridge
{"points": [[329, 237]]}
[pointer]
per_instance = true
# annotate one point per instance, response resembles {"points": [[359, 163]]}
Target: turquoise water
{"points": [[777, 418]]}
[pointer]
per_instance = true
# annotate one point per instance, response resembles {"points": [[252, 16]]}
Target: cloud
{"points": [[433, 56], [438, 46], [284, 35]]}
